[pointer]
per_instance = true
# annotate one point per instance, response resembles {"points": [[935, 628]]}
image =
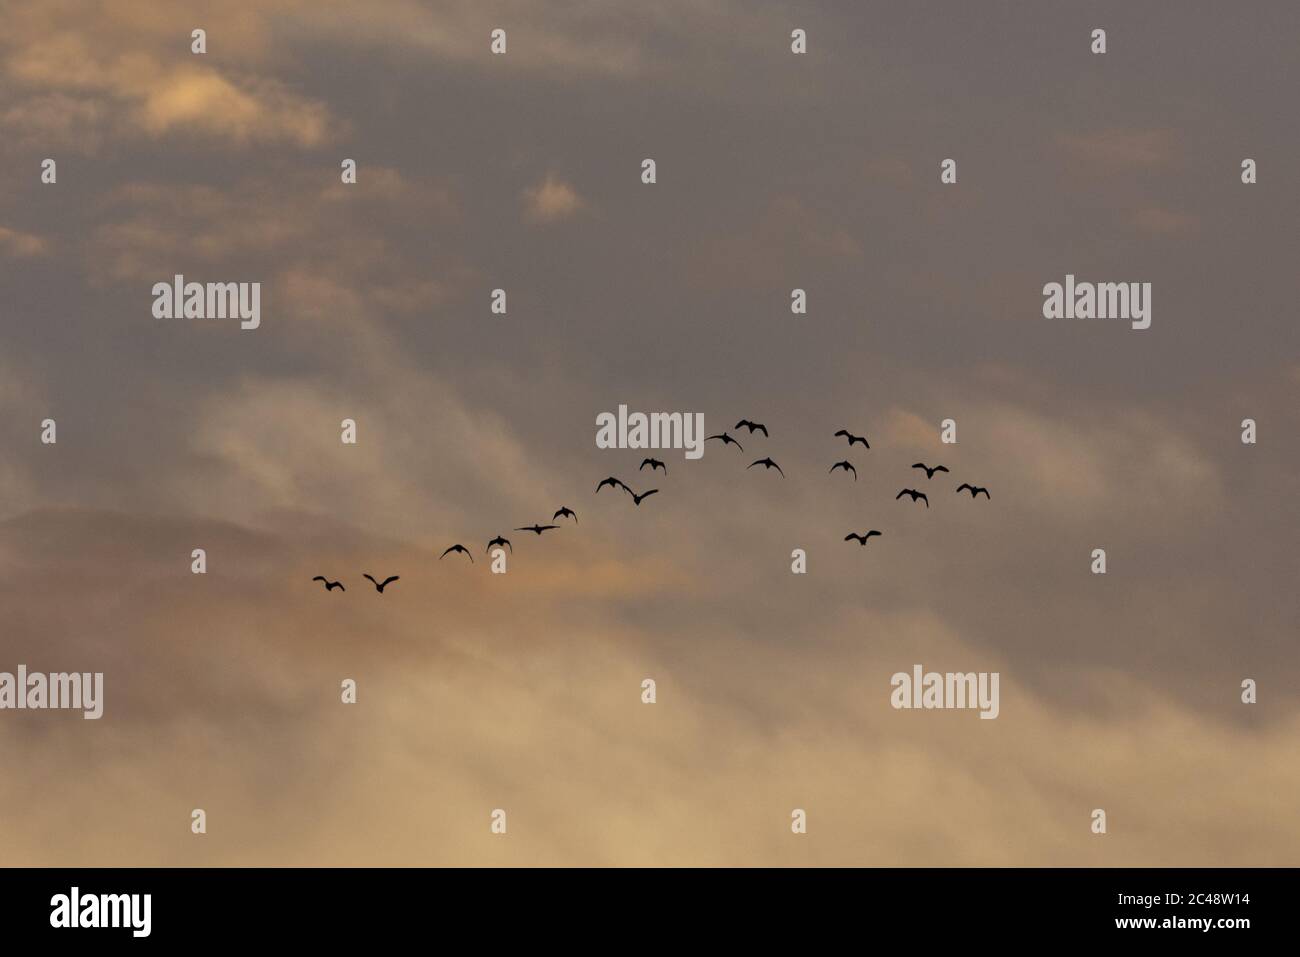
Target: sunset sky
{"points": [[523, 691]]}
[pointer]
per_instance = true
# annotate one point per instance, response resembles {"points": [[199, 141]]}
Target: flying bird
{"points": [[462, 549], [974, 490], [726, 439], [929, 472], [752, 426], [654, 464], [567, 513], [847, 466], [612, 483], [853, 438], [915, 495], [637, 498], [379, 586], [329, 585], [767, 463], [536, 528], [861, 539], [500, 541]]}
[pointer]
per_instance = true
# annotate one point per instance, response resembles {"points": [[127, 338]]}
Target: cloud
{"points": [[56, 121], [127, 68], [248, 459], [573, 39], [1120, 148], [22, 245], [786, 234], [893, 171], [1164, 222], [910, 430], [474, 695], [551, 200], [313, 241], [204, 100], [1120, 461]]}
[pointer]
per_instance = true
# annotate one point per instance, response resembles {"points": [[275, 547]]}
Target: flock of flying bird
{"points": [[726, 439], [845, 465]]}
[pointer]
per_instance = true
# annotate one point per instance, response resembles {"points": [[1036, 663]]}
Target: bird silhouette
{"points": [[929, 472], [612, 483], [847, 466], [379, 586], [654, 464], [500, 541], [752, 426], [915, 495], [974, 490], [536, 528], [861, 539], [567, 513], [459, 548], [329, 585], [767, 463], [726, 439], [636, 499], [853, 438]]}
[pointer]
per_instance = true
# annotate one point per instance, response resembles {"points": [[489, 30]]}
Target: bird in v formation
{"points": [[654, 464]]}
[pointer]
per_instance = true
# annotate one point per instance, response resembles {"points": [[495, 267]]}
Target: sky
{"points": [[522, 691]]}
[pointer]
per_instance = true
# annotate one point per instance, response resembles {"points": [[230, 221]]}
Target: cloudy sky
{"points": [[522, 691]]}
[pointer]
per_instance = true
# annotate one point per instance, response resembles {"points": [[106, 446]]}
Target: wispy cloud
{"points": [[15, 242], [1120, 148], [551, 200]]}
